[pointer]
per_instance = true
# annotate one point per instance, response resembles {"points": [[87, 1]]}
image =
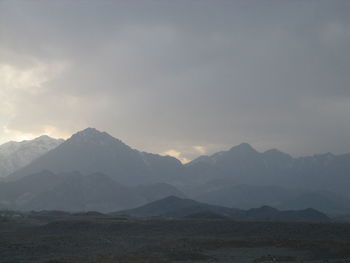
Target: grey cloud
{"points": [[172, 75]]}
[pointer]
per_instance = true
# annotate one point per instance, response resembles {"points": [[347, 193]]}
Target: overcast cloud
{"points": [[179, 77]]}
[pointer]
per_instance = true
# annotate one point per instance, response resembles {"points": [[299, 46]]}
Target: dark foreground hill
{"points": [[248, 196], [267, 213], [175, 207]]}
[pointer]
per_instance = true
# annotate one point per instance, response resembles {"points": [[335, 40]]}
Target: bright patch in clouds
{"points": [[200, 149], [178, 155], [17, 136], [32, 79], [14, 135], [19, 85]]}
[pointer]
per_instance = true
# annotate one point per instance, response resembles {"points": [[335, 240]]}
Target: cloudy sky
{"points": [[179, 77]]}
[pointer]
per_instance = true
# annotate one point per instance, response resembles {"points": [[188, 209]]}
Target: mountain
{"points": [[14, 195], [241, 164], [67, 192], [157, 191], [248, 196], [91, 151], [76, 192], [93, 192], [175, 207], [266, 213], [15, 155], [324, 201], [241, 177], [244, 165]]}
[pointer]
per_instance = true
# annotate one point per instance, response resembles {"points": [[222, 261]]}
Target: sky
{"points": [[185, 77]]}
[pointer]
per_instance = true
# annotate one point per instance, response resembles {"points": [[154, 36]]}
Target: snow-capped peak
{"points": [[15, 155]]}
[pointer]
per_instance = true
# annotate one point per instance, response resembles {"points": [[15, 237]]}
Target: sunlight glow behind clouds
{"points": [[178, 155], [17, 86], [200, 149]]}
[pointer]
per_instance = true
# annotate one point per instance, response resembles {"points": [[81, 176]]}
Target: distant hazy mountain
{"points": [[15, 155], [244, 165], [241, 164], [324, 201], [14, 195], [179, 208], [76, 192], [92, 151]]}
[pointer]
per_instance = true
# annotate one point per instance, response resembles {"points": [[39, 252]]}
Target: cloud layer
{"points": [[187, 77]]}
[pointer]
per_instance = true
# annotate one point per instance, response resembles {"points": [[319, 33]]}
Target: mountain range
{"points": [[244, 165], [94, 171]]}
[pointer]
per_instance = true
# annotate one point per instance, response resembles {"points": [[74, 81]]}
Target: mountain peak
{"points": [[243, 147], [172, 198], [46, 138], [90, 131], [91, 134], [276, 153], [273, 151]]}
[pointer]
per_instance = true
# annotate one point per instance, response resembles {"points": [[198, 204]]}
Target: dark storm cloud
{"points": [[167, 75]]}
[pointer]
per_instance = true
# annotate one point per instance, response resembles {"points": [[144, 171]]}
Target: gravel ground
{"points": [[107, 240]]}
